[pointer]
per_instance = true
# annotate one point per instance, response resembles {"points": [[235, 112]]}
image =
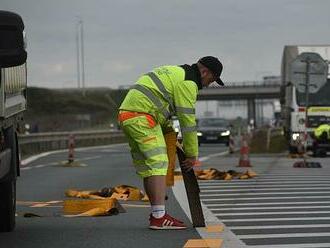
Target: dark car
{"points": [[213, 130]]}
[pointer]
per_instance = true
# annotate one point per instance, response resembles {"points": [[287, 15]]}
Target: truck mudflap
{"points": [[5, 163]]}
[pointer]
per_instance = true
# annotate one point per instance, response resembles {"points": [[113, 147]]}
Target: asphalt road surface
{"points": [[41, 187]]}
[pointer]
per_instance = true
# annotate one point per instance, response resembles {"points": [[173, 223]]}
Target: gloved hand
{"points": [[190, 162]]}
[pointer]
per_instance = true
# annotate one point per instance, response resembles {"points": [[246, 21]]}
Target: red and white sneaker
{"points": [[167, 222]]}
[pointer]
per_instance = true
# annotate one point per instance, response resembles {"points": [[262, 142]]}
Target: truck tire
{"points": [[293, 149], [7, 205], [8, 187]]}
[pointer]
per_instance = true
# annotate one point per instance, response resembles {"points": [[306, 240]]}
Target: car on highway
{"points": [[213, 130]]}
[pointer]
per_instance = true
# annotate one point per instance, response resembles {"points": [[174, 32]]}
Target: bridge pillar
{"points": [[251, 105]]}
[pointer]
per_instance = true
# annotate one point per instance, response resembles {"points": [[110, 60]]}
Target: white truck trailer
{"points": [[13, 84], [293, 102]]}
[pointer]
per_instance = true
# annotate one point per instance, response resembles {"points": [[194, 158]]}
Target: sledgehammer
{"points": [[192, 190]]}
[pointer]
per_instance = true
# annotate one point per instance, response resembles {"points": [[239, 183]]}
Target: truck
{"points": [[13, 102], [293, 102]]}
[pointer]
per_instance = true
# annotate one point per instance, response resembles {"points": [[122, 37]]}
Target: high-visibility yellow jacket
{"points": [[321, 129], [167, 91]]}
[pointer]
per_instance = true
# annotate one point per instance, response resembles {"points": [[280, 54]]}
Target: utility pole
{"points": [[80, 54]]}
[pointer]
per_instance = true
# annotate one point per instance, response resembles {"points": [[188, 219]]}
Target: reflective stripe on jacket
{"points": [[148, 96]]}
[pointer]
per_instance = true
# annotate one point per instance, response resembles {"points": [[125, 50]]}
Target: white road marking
{"points": [[88, 158], [266, 203], [56, 163], [35, 157], [311, 245], [272, 213], [253, 186], [284, 235], [262, 189], [259, 181], [289, 175], [266, 193], [265, 198], [261, 208], [202, 159], [40, 166], [277, 227], [273, 219]]}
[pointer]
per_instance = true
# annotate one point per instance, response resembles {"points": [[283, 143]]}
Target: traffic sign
{"points": [[309, 69]]}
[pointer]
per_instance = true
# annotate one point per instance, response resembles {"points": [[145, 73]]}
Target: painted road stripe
{"points": [[56, 163], [202, 159], [289, 175], [287, 179], [266, 203], [265, 208], [262, 189], [272, 213], [295, 177], [35, 157], [88, 158], [229, 183], [265, 198], [285, 235], [266, 193], [253, 186], [311, 245], [40, 166], [317, 174], [273, 219], [249, 181], [277, 227]]}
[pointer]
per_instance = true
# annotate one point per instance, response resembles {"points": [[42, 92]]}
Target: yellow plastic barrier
{"points": [[90, 207]]}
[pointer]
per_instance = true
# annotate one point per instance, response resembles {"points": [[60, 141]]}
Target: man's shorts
{"points": [[146, 140]]}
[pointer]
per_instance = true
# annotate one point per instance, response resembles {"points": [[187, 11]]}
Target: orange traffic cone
{"points": [[244, 160], [71, 145]]}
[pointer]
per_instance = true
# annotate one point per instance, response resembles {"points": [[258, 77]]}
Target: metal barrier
{"points": [[252, 84], [41, 142]]}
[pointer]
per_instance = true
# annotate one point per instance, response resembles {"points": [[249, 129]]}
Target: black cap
{"points": [[214, 65]]}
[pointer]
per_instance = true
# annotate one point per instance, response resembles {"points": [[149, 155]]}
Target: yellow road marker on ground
{"points": [[101, 207], [203, 243], [214, 228]]}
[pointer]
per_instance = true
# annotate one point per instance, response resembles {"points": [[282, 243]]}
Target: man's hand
{"points": [[189, 163]]}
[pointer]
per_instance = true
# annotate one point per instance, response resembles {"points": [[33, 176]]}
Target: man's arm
{"points": [[185, 96]]}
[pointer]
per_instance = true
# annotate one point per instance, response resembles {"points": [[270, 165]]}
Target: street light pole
{"points": [[78, 53], [82, 56]]}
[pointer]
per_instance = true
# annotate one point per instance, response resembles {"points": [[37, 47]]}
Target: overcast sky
{"points": [[125, 38]]}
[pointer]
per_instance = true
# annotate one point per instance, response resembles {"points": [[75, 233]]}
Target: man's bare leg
{"points": [[155, 187]]}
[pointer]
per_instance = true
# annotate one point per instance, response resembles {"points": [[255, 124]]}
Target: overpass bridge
{"points": [[249, 91]]}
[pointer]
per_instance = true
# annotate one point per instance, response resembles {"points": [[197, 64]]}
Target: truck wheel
{"points": [[7, 206], [293, 149]]}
